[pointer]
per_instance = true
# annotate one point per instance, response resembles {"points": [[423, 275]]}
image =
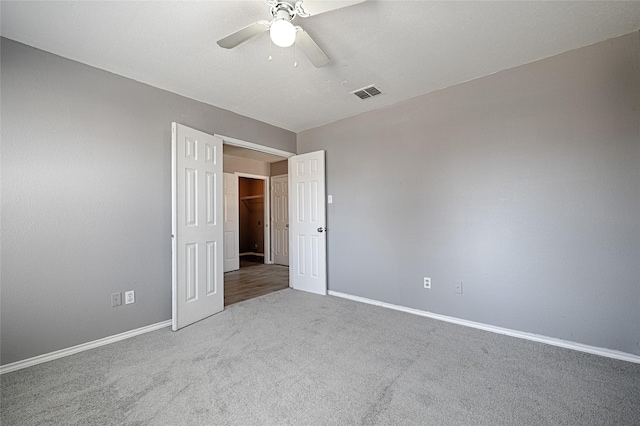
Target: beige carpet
{"points": [[300, 359]]}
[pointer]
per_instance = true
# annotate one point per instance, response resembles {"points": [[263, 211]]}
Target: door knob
{"points": [[321, 229], [287, 225]]}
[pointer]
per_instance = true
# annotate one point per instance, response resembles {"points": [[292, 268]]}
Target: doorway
{"points": [[255, 274], [198, 178], [251, 213]]}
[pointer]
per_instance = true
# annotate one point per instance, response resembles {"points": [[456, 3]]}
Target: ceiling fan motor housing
{"points": [[283, 10]]}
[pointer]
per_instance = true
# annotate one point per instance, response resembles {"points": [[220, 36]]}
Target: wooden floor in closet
{"points": [[253, 279]]}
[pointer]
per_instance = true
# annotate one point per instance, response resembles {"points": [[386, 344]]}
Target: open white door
{"points": [[307, 223], [280, 219], [197, 230], [231, 223]]}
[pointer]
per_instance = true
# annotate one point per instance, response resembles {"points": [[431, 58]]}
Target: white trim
{"points": [[174, 225], [18, 365], [255, 147], [609, 353], [251, 176]]}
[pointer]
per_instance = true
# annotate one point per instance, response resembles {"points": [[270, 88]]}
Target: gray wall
{"points": [[523, 185], [245, 165], [86, 198], [280, 168]]}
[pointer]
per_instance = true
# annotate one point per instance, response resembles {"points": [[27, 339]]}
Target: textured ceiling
{"points": [[407, 48]]}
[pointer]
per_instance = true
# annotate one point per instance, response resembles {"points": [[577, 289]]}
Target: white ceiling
{"points": [[407, 48]]}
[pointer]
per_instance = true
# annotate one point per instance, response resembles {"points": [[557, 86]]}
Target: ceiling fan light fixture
{"points": [[282, 32]]}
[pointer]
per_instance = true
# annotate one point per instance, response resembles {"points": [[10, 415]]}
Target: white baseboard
{"points": [[610, 353], [80, 348]]}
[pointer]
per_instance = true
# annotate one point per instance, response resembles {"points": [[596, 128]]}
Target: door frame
{"points": [[226, 140], [254, 146], [268, 258]]}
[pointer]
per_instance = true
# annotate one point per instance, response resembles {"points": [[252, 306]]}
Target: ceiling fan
{"points": [[283, 32]]}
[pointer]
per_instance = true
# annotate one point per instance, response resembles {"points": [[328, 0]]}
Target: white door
{"points": [[231, 223], [307, 223], [280, 219], [196, 198]]}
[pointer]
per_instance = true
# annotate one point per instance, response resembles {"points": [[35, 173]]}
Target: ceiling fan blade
{"points": [[231, 41], [306, 8], [310, 48]]}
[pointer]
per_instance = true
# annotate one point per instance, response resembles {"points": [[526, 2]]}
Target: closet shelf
{"points": [[253, 201]]}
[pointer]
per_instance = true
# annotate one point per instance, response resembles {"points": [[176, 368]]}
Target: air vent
{"points": [[367, 92]]}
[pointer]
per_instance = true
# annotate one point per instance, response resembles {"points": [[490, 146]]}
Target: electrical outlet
{"points": [[458, 288], [129, 297], [427, 282], [116, 299]]}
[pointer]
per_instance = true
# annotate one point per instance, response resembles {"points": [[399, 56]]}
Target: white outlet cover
{"points": [[129, 297], [427, 282], [329, 199]]}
